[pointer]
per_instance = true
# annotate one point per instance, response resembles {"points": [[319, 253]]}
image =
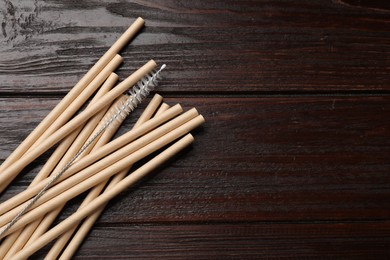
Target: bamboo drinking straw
{"points": [[71, 109], [14, 242], [93, 157], [44, 205], [51, 216], [67, 100], [65, 130], [149, 110], [82, 117], [61, 241], [177, 125], [105, 197], [164, 107], [81, 99], [89, 126], [83, 134], [114, 106], [89, 221], [106, 136], [40, 226]]}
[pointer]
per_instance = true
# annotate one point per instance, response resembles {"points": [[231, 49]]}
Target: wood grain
{"points": [[224, 46], [245, 241], [293, 161], [303, 158]]}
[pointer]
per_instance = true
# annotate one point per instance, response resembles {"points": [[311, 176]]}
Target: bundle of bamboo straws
{"points": [[85, 158]]}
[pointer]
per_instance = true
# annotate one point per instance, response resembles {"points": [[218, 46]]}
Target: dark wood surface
{"points": [[293, 161]]}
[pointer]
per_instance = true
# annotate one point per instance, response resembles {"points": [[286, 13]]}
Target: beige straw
{"points": [[65, 130], [95, 192], [49, 218], [87, 224], [55, 164], [93, 157], [112, 94], [45, 205], [149, 110], [81, 99], [76, 90], [70, 110], [105, 197], [164, 107], [106, 138], [12, 242], [89, 126], [127, 150]]}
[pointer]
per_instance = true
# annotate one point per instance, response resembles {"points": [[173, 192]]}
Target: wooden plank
{"points": [[256, 159], [238, 241], [209, 46]]}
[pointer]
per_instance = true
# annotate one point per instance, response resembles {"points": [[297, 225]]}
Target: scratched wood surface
{"points": [[293, 161]]}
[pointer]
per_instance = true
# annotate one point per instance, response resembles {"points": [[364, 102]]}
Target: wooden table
{"points": [[293, 161]]}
